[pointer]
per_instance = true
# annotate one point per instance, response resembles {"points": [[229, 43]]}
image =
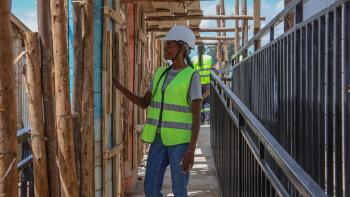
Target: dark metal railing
{"points": [[241, 161], [296, 90], [25, 165]]}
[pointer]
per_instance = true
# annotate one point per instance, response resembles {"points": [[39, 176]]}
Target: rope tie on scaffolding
{"points": [[3, 177]]}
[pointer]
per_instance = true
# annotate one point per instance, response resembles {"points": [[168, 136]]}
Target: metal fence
{"points": [[297, 92], [25, 165]]}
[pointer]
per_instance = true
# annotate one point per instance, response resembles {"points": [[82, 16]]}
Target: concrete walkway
{"points": [[203, 181]]}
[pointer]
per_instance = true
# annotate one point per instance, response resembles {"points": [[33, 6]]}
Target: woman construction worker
{"points": [[202, 64], [174, 101]]}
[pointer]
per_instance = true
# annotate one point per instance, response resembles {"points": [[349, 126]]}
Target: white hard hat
{"points": [[181, 33]]}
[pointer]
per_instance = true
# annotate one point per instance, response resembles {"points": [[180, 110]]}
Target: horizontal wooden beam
{"points": [[199, 38], [113, 151], [19, 23], [199, 17], [216, 38], [208, 43], [170, 1], [194, 29]]}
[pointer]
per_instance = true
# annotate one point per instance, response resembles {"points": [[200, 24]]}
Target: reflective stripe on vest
{"points": [[171, 107], [173, 117], [166, 124]]}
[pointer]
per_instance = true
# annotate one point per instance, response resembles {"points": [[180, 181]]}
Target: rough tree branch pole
{"points": [[44, 28], [78, 84], [66, 160], [87, 134], [8, 143], [36, 118]]}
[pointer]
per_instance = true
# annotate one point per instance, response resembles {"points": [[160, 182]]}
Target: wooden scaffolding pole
{"points": [[66, 160], [8, 142], [289, 19], [237, 41], [44, 27], [257, 22], [105, 125], [244, 23], [78, 85], [36, 118], [87, 135], [223, 34], [218, 48]]}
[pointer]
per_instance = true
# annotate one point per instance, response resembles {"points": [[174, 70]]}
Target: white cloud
{"points": [[279, 6], [29, 19]]}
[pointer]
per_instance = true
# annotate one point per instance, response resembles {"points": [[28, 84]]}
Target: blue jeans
{"points": [[159, 157]]}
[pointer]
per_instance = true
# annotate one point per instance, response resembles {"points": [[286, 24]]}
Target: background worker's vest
{"points": [[204, 69], [170, 111]]}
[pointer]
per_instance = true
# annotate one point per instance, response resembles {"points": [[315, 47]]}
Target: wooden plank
{"points": [[200, 17], [194, 29], [109, 154], [109, 73], [158, 1], [105, 125], [14, 20], [208, 37]]}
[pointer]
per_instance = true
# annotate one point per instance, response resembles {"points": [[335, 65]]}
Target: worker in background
{"points": [[174, 100], [203, 64]]}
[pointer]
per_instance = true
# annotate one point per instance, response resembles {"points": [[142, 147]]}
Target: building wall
{"points": [[311, 7]]}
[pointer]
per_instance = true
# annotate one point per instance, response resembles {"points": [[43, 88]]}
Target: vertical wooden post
{"points": [[257, 21], [8, 142], [105, 125], [44, 27], [78, 85], [218, 49], [244, 23], [237, 32], [289, 19], [87, 134], [36, 118], [66, 160], [224, 47]]}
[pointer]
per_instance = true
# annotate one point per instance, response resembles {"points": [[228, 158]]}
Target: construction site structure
{"points": [[280, 111]]}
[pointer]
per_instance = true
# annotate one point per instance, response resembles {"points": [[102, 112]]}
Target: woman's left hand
{"points": [[187, 161]]}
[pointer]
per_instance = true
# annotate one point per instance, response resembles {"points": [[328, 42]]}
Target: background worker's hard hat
{"points": [[181, 33]]}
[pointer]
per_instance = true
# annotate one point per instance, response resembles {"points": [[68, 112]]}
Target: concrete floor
{"points": [[203, 179]]}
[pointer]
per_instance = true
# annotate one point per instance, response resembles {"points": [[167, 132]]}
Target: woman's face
{"points": [[170, 50]]}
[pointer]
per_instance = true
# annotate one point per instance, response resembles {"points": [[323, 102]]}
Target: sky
{"points": [[25, 10]]}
